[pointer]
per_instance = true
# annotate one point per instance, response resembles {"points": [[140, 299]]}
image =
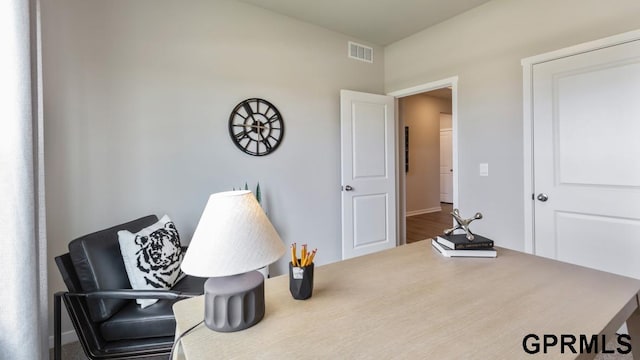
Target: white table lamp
{"points": [[233, 238]]}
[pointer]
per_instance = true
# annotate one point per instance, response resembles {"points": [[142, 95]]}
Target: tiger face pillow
{"points": [[152, 257]]}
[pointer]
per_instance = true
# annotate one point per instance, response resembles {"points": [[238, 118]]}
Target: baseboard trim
{"points": [[67, 337], [424, 211]]}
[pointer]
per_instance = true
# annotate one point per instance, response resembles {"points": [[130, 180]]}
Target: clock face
{"points": [[256, 127]]}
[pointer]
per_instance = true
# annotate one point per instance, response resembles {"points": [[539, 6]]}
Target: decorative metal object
{"points": [[463, 224], [256, 127]]}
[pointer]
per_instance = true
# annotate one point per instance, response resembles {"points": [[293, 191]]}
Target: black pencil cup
{"points": [[301, 281]]}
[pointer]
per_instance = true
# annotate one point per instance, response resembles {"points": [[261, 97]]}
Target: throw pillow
{"points": [[152, 257]]}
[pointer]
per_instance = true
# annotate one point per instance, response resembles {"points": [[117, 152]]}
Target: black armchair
{"points": [[101, 305]]}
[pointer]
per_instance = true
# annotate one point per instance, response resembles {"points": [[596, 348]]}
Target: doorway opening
{"points": [[427, 161]]}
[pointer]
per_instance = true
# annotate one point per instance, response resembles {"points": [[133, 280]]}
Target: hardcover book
{"points": [[460, 242], [445, 251]]}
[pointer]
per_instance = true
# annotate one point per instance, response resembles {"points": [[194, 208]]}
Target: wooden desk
{"points": [[410, 302]]}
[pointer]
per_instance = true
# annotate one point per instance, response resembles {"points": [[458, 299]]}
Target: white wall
{"points": [[137, 96], [421, 113], [484, 47]]}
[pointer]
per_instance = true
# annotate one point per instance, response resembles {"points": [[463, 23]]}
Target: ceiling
{"points": [[444, 93], [380, 22]]}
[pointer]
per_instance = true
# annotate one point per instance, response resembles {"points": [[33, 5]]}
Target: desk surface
{"points": [[410, 302]]}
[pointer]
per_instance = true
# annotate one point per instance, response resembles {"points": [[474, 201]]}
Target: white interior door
{"points": [[368, 173], [446, 166], [586, 126]]}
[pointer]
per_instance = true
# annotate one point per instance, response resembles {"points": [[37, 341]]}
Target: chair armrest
{"points": [[133, 294]]}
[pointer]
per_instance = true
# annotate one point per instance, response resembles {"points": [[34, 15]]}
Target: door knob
{"points": [[348, 188], [543, 197]]}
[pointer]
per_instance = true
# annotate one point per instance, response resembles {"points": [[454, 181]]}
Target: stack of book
{"points": [[459, 245]]}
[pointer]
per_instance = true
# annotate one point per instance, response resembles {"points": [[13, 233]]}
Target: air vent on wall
{"points": [[360, 52]]}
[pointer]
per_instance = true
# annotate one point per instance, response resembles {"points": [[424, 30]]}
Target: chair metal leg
{"points": [[57, 331]]}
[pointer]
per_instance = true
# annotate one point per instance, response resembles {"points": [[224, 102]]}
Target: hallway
{"points": [[423, 226]]}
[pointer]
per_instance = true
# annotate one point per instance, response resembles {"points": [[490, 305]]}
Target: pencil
{"points": [[294, 257], [313, 254], [303, 255]]}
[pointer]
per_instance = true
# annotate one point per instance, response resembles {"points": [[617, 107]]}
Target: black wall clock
{"points": [[256, 127]]}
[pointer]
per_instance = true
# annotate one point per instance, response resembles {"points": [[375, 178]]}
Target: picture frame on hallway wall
{"points": [[406, 149]]}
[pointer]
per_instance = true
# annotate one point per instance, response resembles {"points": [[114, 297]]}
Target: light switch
{"points": [[484, 169]]}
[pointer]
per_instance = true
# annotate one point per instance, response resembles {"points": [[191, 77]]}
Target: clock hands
{"points": [[249, 110], [258, 130], [257, 126]]}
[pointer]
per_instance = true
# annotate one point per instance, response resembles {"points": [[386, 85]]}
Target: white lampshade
{"points": [[234, 236]]}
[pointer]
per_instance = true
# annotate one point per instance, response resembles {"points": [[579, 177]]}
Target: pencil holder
{"points": [[301, 281]]}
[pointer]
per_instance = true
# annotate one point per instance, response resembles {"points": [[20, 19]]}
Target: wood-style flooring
{"points": [[423, 226]]}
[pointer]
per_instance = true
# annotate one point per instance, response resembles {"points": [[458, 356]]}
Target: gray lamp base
{"points": [[234, 303]]}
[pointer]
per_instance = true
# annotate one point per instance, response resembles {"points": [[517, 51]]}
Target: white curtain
{"points": [[23, 285]]}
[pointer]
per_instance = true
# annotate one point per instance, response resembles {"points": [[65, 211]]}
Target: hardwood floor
{"points": [[423, 226]]}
